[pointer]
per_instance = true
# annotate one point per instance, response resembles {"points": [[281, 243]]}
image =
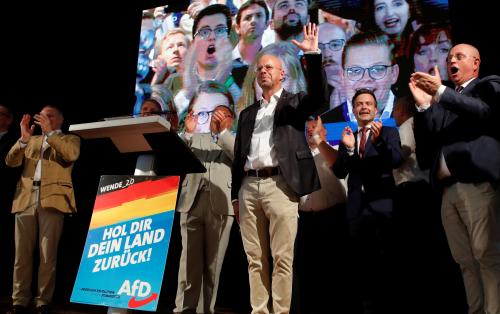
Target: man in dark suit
{"points": [[273, 166], [369, 156], [457, 138]]}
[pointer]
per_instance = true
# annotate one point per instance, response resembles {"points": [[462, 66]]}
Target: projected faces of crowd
{"points": [[289, 16], [391, 16], [252, 24], [203, 108], [173, 49], [369, 66], [431, 52], [211, 33], [150, 108], [331, 42]]}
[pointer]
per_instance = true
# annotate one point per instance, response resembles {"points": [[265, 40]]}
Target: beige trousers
{"points": [[268, 222], [471, 220], [205, 237], [45, 226]]}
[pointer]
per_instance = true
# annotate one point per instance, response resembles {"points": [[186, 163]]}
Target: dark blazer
{"points": [[464, 128], [294, 156], [373, 172]]}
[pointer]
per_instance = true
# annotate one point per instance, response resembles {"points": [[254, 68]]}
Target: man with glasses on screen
{"points": [[367, 63], [209, 56], [331, 42], [206, 213]]}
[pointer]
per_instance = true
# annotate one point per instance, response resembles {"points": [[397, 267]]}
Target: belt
{"points": [[264, 172], [36, 183]]}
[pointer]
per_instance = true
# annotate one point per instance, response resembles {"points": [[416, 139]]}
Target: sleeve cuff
{"points": [[22, 144], [350, 151], [423, 108], [439, 93], [317, 52]]}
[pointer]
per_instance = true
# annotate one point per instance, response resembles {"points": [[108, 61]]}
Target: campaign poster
{"points": [[126, 249]]}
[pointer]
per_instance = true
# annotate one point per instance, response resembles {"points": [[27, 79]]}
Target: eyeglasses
{"points": [[376, 72], [334, 45], [203, 116], [267, 67], [219, 32]]}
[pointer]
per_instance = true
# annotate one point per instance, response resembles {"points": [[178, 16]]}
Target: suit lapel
{"points": [[470, 86], [248, 125]]}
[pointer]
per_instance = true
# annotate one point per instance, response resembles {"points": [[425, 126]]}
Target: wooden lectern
{"points": [[146, 136]]}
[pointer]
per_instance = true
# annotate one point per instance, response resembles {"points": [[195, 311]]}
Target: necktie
{"points": [[459, 89], [362, 143]]}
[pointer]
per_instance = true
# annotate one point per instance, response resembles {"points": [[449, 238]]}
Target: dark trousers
{"points": [[319, 283], [374, 260]]}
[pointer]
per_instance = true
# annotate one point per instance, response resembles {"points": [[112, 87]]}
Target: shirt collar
{"points": [[237, 54], [275, 96], [464, 85]]}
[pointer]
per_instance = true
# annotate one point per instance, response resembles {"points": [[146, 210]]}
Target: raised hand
{"points": [[348, 138], [43, 121], [427, 82], [310, 42], [26, 129], [190, 122], [420, 96], [221, 120], [376, 129]]}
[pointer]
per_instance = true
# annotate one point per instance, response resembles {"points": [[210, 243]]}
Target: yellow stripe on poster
{"points": [[134, 209]]}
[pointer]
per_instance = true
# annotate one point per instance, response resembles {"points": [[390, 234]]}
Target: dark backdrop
{"points": [[82, 56]]}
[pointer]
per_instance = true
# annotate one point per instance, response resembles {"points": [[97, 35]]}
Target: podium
{"points": [[146, 136], [159, 150]]}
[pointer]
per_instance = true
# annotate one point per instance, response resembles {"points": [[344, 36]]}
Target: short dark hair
{"points": [[362, 91], [247, 4], [212, 10]]}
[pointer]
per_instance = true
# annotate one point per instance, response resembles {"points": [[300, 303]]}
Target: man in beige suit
{"points": [[44, 194], [205, 202]]}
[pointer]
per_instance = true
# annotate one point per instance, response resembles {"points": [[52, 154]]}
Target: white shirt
{"points": [[409, 170], [38, 170], [332, 190], [262, 152]]}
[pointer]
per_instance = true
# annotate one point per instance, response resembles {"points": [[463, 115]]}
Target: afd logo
{"points": [[141, 289]]}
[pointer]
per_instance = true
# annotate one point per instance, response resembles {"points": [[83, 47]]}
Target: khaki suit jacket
{"points": [[217, 159], [56, 190]]}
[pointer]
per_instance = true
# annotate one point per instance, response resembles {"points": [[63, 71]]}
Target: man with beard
{"points": [[289, 18], [332, 39], [251, 22], [457, 138], [209, 56]]}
